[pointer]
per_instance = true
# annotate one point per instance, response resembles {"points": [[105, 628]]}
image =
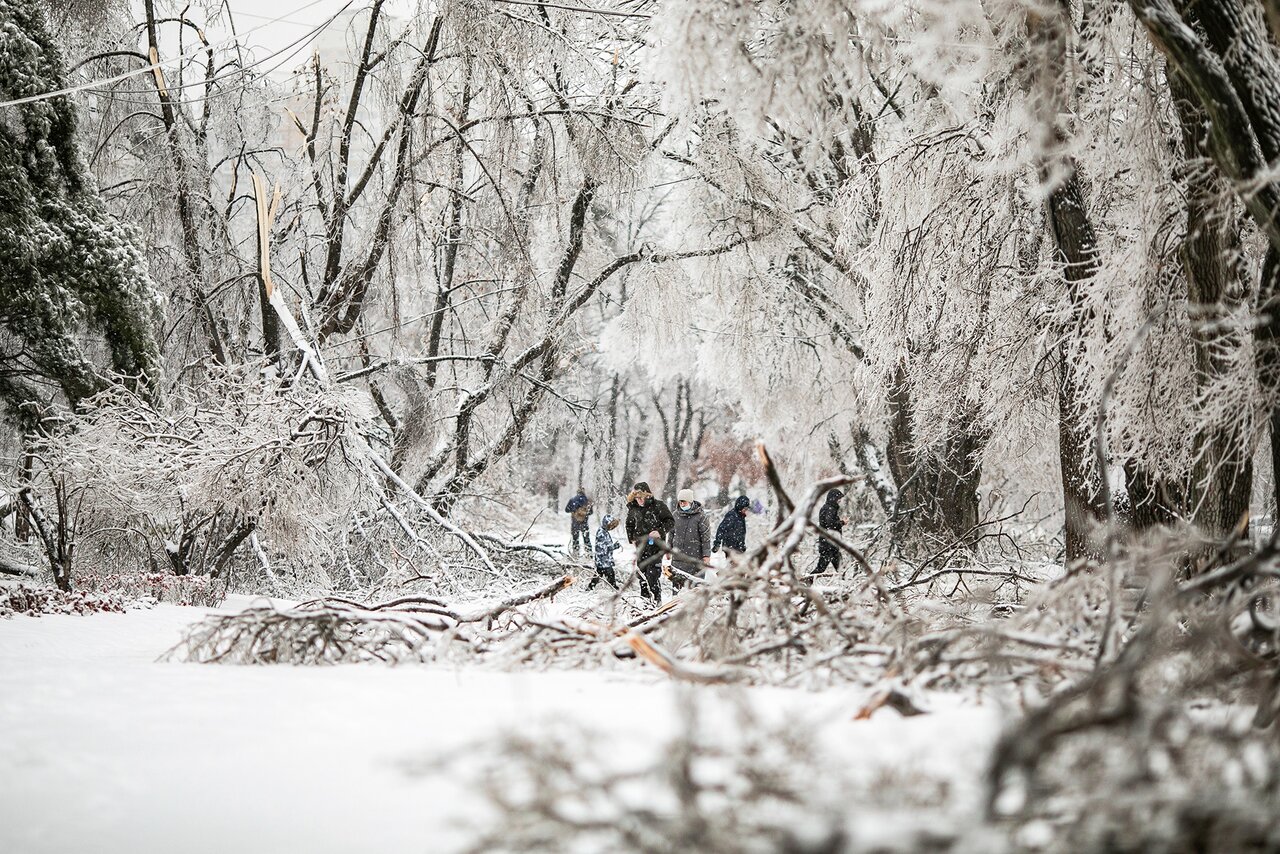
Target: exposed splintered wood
{"points": [[744, 426]]}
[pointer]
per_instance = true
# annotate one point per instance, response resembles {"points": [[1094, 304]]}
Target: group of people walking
{"points": [[685, 533]]}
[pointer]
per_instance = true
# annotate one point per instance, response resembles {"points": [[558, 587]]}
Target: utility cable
{"points": [[151, 67]]}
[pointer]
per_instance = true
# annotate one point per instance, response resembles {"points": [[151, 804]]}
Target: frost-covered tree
{"points": [[1007, 226], [1225, 69], [904, 257], [67, 266]]}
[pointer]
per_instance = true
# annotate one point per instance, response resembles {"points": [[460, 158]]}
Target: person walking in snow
{"points": [[579, 510], [732, 533], [690, 540], [648, 523], [606, 545], [829, 518]]}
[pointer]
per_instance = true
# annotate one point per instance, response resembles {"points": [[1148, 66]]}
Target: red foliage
{"points": [[35, 601]]}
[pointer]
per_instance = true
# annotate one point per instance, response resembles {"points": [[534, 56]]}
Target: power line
{"points": [[151, 67], [590, 10], [303, 40], [277, 20]]}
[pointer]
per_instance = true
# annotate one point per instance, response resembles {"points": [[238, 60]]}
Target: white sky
{"points": [[299, 18]]}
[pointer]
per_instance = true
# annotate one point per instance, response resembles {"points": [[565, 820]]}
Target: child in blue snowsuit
{"points": [[606, 545]]}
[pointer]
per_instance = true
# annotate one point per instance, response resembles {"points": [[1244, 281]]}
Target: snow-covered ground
{"points": [[105, 749]]}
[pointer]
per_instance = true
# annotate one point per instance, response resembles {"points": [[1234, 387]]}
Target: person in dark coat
{"points": [[606, 545], [732, 533], [829, 517], [648, 523], [690, 539], [579, 510]]}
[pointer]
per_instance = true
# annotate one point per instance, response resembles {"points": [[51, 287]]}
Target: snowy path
{"points": [[104, 749]]}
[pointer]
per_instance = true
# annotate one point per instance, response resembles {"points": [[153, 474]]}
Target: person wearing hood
{"points": [[732, 533], [606, 545], [648, 523], [579, 510], [829, 518], [690, 540]]}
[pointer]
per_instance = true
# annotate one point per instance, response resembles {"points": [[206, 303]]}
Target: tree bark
{"points": [[1231, 70], [1075, 244], [191, 241], [1222, 479], [937, 496]]}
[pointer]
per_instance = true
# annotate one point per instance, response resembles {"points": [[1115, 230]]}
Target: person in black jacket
{"points": [[648, 523], [732, 533], [829, 517], [579, 510]]}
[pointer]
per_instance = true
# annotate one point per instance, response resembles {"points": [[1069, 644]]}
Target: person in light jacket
{"points": [[606, 545], [690, 540]]}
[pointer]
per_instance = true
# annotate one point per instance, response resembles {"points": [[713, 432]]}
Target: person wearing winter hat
{"points": [[648, 523], [606, 545], [690, 539], [579, 510], [829, 517], [732, 533]]}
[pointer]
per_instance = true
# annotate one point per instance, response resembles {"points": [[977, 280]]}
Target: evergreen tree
{"points": [[66, 265]]}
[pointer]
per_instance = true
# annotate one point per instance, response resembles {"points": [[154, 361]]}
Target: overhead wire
{"points": [[590, 10], [152, 67], [293, 48]]}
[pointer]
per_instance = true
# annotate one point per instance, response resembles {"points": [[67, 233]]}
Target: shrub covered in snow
{"points": [[34, 601], [196, 590]]}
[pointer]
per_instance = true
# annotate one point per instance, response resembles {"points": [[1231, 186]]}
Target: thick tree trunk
{"points": [[1075, 245], [1267, 342], [1152, 501], [1222, 479], [937, 496], [1232, 70]]}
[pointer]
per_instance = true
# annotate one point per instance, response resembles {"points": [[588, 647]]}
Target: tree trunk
{"points": [[1230, 66], [1075, 245], [187, 206], [937, 497], [1222, 479], [609, 475], [631, 464], [447, 255]]}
